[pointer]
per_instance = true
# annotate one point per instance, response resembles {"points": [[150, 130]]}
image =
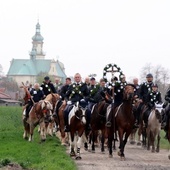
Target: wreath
{"points": [[94, 90], [112, 66], [76, 89]]}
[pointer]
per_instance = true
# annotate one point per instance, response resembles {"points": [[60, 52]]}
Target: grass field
{"points": [[49, 155]]}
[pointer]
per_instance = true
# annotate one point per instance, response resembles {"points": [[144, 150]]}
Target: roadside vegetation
{"points": [[49, 155]]}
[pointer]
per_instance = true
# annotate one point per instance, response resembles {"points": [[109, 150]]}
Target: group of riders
{"points": [[90, 92]]}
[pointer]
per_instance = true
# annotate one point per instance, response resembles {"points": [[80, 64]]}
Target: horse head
{"points": [[158, 110], [80, 111], [128, 92], [106, 96], [46, 108]]}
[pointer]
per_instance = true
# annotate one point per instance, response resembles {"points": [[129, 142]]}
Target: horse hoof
{"points": [[92, 151], [78, 157], [118, 153], [63, 144], [122, 158], [110, 156], [43, 140], [169, 157], [138, 144], [85, 148], [132, 142], [72, 154]]}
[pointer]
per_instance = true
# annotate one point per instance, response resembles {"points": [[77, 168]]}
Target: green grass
{"points": [[49, 155]]}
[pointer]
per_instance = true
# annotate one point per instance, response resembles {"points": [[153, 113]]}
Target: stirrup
{"points": [[108, 124]]}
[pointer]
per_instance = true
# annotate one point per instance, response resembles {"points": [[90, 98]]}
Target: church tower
{"points": [[37, 45]]}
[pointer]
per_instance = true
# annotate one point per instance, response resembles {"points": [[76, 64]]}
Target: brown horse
{"points": [[122, 121], [98, 121], [37, 115], [53, 98], [77, 123], [59, 118]]}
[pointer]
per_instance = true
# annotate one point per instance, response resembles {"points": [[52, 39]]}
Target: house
{"points": [[7, 99], [27, 70]]}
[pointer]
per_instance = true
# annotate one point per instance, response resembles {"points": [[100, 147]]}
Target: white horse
{"points": [[154, 127]]}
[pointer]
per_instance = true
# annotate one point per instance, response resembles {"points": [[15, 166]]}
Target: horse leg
{"points": [[139, 136], [110, 140], [42, 131], [79, 142], [102, 140], [158, 142], [72, 144], [31, 132], [93, 141], [26, 129], [153, 141], [121, 146]]}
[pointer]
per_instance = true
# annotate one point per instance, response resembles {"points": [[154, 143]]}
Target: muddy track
{"points": [[137, 158]]}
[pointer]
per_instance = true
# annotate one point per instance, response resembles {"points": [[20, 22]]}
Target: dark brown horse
{"points": [[98, 121], [122, 121]]}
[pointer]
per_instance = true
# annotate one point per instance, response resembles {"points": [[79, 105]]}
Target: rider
{"points": [[166, 115], [48, 86], [154, 96], [144, 89], [37, 94], [62, 93], [117, 91], [77, 91]]}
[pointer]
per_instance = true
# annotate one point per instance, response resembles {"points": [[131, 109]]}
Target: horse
{"points": [[37, 115], [98, 121], [154, 127], [59, 118], [53, 98], [77, 124], [122, 121]]}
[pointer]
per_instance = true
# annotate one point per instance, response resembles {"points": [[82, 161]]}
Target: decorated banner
{"points": [[112, 69]]}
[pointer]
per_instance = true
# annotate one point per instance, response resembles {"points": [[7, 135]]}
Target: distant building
{"points": [[27, 70]]}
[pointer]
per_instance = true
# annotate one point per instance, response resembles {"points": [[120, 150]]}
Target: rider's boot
{"points": [[66, 128], [108, 121]]}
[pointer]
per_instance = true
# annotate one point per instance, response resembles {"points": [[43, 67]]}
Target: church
{"points": [[27, 70]]}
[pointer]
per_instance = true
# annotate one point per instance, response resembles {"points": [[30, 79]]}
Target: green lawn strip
{"points": [[35, 155]]}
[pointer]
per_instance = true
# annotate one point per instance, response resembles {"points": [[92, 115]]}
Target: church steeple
{"points": [[37, 48]]}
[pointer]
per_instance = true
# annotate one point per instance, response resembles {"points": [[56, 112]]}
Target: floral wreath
{"points": [[94, 90], [47, 86], [105, 71], [76, 89]]}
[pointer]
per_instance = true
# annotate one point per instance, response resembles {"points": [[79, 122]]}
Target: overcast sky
{"points": [[86, 35]]}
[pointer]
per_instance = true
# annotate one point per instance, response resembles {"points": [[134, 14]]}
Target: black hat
{"points": [[154, 85], [114, 78], [46, 78], [92, 78], [149, 75]]}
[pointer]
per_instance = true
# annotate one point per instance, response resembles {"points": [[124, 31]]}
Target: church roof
{"points": [[23, 67]]}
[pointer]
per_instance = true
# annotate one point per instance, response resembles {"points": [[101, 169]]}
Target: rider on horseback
{"points": [[117, 90], [166, 116], [154, 96], [37, 94], [144, 89], [77, 91]]}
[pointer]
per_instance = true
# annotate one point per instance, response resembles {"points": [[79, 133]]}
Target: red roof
{"points": [[4, 96]]}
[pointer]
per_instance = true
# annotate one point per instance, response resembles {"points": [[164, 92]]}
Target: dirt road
{"points": [[137, 158]]}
